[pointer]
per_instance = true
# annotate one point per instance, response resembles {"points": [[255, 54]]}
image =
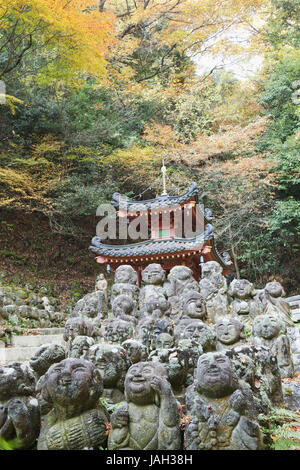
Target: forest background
{"points": [[97, 94]]}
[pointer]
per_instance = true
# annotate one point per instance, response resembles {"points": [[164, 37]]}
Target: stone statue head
{"points": [[112, 363], [118, 330], [77, 326], [153, 274], [144, 330], [16, 379], [46, 355], [136, 351], [211, 269], [122, 304], [125, 274], [182, 273], [274, 289], [80, 347], [158, 306], [267, 326], [164, 341], [72, 386], [192, 305], [241, 289], [213, 376], [163, 325], [197, 331], [228, 330], [138, 382]]}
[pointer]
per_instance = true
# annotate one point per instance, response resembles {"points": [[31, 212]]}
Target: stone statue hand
{"points": [[160, 384], [120, 418]]}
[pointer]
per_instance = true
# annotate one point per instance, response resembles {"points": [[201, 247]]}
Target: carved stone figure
{"points": [[111, 361], [198, 331], [117, 330], [123, 308], [135, 351], [46, 355], [149, 419], [125, 282], [79, 326], [153, 276], [157, 306], [164, 341], [80, 347], [274, 304], [19, 410], [269, 331], [244, 304], [213, 288], [101, 284], [77, 420], [149, 329], [229, 331], [92, 306], [180, 280], [192, 305], [223, 412]]}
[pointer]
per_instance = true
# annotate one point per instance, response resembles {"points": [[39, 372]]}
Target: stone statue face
{"points": [[125, 274], [228, 330], [110, 361], [197, 332], [210, 269], [122, 304], [118, 331], [193, 306], [16, 379], [164, 341], [181, 273], [73, 382], [213, 374], [241, 288], [80, 347], [275, 289], [74, 327], [194, 329], [45, 356], [266, 326], [153, 274], [138, 379], [157, 305], [161, 326]]}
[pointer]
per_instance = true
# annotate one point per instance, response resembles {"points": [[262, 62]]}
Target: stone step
{"points": [[291, 299], [28, 341], [12, 354], [294, 303], [47, 331]]}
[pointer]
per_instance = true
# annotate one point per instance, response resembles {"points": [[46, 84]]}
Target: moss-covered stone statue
{"points": [[136, 351], [197, 331], [92, 306], [19, 409], [125, 283], [274, 303], [229, 331], [46, 355], [79, 326], [192, 305], [123, 308], [76, 420], [213, 288], [111, 361], [118, 330], [244, 303], [153, 277], [180, 280], [149, 419], [223, 412], [269, 331], [80, 347]]}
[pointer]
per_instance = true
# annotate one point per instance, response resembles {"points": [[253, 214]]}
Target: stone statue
{"points": [[269, 331], [111, 361], [149, 328], [274, 304], [180, 280], [198, 331], [192, 305], [213, 288], [101, 284], [149, 419], [125, 282], [77, 420], [123, 308], [223, 411], [46, 355], [19, 410], [117, 330], [92, 306], [80, 347], [79, 326], [164, 341], [153, 276], [136, 351], [229, 331], [157, 306], [244, 304]]}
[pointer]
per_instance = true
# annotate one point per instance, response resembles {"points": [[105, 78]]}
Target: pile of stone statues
{"points": [[175, 364]]}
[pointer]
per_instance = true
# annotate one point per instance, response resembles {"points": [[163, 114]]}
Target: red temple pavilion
{"points": [[166, 217]]}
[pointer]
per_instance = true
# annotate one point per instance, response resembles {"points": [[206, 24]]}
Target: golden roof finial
{"points": [[164, 170]]}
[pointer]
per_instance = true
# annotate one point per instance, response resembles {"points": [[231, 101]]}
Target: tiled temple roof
{"points": [[148, 247], [158, 202]]}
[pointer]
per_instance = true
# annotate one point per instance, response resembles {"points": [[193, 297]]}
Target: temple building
{"points": [[176, 232]]}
